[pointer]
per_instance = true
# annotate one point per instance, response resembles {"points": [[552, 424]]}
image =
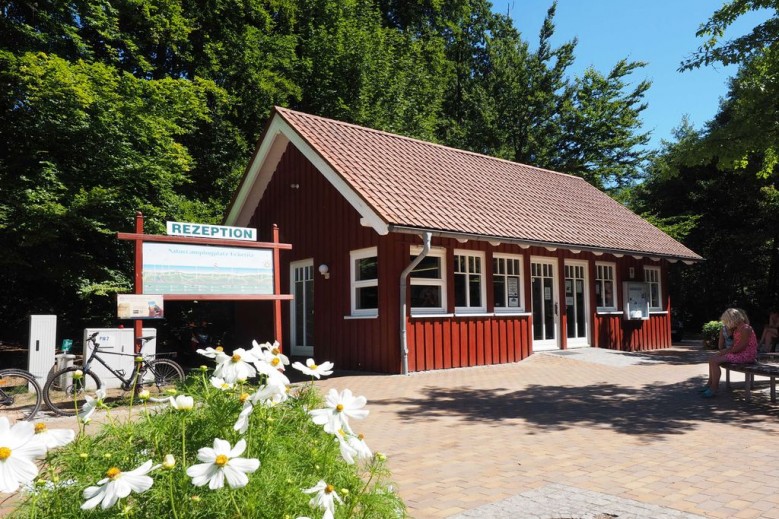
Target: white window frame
{"points": [[437, 252], [520, 274], [370, 252], [483, 279], [600, 282], [655, 273]]}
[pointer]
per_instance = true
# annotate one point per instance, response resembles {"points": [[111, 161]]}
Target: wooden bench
{"points": [[761, 369]]}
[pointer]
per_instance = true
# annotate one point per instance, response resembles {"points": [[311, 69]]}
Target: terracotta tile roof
{"points": [[417, 184]]}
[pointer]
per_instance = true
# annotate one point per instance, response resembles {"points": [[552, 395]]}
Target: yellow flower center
{"points": [[40, 427], [113, 472], [244, 397], [360, 436], [329, 489], [236, 357], [5, 453], [313, 366], [225, 385], [275, 361], [219, 348], [339, 408], [275, 351], [221, 460]]}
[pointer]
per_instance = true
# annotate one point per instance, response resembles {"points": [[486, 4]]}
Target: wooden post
{"points": [[277, 289], [138, 324]]}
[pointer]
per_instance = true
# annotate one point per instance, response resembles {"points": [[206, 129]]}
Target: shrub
{"points": [[294, 453], [710, 333]]}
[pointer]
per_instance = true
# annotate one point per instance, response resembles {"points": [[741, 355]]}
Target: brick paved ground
{"points": [[581, 434], [618, 426]]}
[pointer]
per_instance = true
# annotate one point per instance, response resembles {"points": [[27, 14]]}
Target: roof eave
{"points": [[551, 246]]}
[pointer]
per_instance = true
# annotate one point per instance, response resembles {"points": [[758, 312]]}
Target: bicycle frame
{"points": [[138, 367]]}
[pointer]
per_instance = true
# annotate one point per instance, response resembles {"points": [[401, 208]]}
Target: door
{"points": [[301, 335], [576, 290], [546, 307]]}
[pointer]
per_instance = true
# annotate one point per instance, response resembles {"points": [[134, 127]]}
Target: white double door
{"points": [[546, 306]]}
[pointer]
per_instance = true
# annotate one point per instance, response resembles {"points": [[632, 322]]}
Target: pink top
{"points": [[748, 354]]}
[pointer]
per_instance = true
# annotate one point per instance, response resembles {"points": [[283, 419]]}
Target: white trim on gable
{"points": [[267, 158]]}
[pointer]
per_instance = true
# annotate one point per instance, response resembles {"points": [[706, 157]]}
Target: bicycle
{"points": [[20, 392], [65, 390]]}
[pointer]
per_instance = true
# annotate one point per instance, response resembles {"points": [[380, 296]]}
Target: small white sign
{"points": [[135, 306], [203, 230]]}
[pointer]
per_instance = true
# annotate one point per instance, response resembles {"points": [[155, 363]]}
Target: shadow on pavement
{"points": [[655, 410]]}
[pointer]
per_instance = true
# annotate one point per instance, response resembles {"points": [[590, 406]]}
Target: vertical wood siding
{"points": [[320, 224]]}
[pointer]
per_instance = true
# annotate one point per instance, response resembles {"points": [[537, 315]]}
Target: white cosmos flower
{"points": [[325, 497], [340, 407], [235, 367], [242, 424], [220, 383], [358, 443], [210, 352], [88, 409], [53, 438], [314, 370], [222, 463], [18, 448], [117, 485], [273, 356], [182, 403]]}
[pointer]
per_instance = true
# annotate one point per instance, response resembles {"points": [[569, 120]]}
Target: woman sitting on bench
{"points": [[743, 350], [770, 333]]}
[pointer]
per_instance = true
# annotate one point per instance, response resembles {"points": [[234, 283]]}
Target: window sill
{"points": [[609, 312], [430, 316], [354, 317], [658, 312], [518, 313], [478, 313]]}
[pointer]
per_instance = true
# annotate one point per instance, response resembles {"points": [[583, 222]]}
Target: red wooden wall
{"points": [[321, 224]]}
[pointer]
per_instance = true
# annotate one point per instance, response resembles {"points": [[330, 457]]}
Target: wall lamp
{"points": [[324, 270]]}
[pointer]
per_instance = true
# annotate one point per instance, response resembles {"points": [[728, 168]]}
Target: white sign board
{"points": [[133, 306], [203, 230]]}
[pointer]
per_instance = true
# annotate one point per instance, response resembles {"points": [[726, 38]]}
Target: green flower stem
{"points": [[183, 440], [232, 498], [172, 496]]}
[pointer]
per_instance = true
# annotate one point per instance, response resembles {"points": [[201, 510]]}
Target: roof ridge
{"points": [[281, 110]]}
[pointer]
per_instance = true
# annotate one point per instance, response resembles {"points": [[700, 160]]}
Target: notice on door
{"points": [[513, 290]]}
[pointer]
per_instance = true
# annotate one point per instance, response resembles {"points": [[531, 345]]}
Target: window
{"points": [[469, 281], [652, 277], [507, 284], [365, 281], [428, 286], [605, 289]]}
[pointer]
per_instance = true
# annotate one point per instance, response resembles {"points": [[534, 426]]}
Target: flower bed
{"points": [[221, 447]]}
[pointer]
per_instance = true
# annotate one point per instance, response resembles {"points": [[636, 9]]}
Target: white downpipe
{"points": [[426, 237]]}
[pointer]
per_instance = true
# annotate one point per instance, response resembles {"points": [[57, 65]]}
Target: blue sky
{"points": [[660, 32]]}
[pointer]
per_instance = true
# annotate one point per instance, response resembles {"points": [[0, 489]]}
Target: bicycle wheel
{"points": [[163, 374], [65, 394], [20, 394]]}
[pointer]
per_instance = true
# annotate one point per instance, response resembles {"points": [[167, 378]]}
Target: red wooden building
{"points": [[411, 256]]}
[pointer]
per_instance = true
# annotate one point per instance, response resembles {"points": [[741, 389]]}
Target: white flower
{"points": [[352, 446], [314, 370], [221, 462], [235, 367], [271, 353], [182, 403], [220, 383], [358, 443], [117, 485], [210, 352], [347, 451], [18, 448], [88, 409], [242, 424], [325, 497], [340, 407], [53, 438]]}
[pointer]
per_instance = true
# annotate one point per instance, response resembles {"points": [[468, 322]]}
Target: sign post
{"points": [[213, 270]]}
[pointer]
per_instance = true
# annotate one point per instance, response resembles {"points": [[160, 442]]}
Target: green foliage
{"points": [[738, 50], [710, 333], [294, 454]]}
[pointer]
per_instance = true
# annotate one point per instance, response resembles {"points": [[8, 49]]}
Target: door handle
{"points": [[556, 309]]}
